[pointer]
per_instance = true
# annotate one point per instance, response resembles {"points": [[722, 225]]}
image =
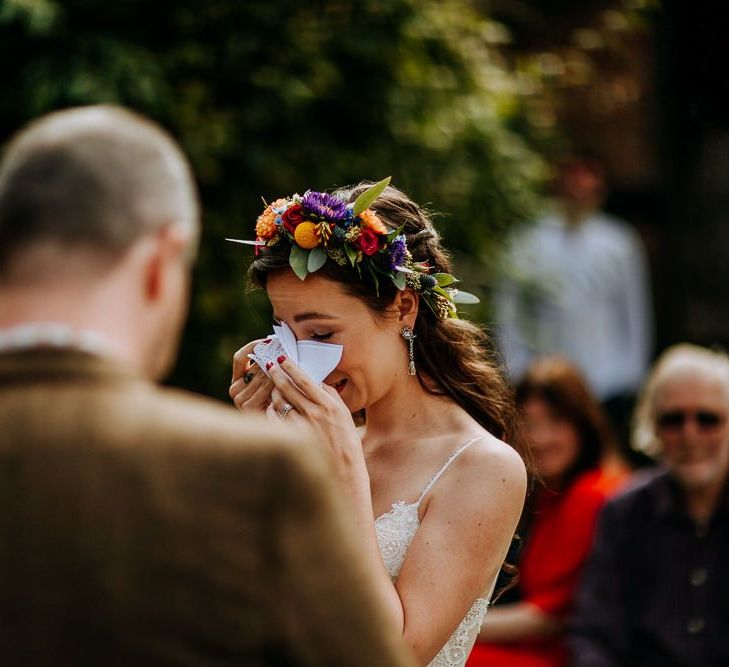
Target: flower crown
{"points": [[319, 226]]}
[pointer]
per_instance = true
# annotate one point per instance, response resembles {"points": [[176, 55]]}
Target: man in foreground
{"points": [[140, 525]]}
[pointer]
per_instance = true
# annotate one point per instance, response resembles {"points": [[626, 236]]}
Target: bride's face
{"points": [[317, 308]]}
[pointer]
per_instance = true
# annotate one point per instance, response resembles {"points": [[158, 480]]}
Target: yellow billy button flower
{"points": [[306, 236]]}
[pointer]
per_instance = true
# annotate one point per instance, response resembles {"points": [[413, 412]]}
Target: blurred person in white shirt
{"points": [[577, 284]]}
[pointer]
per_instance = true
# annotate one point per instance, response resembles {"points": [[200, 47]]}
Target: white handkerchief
{"points": [[264, 353], [315, 358], [318, 359]]}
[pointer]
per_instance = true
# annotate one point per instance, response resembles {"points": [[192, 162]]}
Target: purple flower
{"points": [[398, 250], [325, 206]]}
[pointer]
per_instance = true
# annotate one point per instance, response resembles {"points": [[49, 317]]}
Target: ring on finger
{"points": [[248, 377], [285, 409]]}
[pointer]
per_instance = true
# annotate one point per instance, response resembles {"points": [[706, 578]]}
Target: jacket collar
{"points": [[29, 365]]}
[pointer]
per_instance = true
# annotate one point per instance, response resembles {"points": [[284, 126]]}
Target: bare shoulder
{"points": [[486, 477], [492, 462], [499, 457]]}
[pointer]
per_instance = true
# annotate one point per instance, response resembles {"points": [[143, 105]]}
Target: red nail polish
{"points": [[281, 359], [268, 365]]}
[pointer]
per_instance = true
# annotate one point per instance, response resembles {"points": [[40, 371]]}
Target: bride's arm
{"points": [[518, 622], [466, 530], [467, 524]]}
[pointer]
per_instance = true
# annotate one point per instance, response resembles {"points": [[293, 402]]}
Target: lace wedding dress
{"points": [[395, 531]]}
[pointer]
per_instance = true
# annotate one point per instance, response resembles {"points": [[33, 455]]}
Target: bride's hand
{"points": [[321, 409], [250, 388]]}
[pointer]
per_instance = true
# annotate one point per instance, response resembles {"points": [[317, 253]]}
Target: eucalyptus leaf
{"points": [[299, 261], [400, 280], [466, 297], [317, 259], [444, 279], [368, 197]]}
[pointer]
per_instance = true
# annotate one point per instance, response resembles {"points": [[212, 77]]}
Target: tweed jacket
{"points": [[145, 526]]}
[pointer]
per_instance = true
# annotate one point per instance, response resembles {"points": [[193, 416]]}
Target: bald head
{"points": [[94, 179]]}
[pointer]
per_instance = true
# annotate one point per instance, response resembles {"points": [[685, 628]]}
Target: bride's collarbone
{"points": [[403, 479]]}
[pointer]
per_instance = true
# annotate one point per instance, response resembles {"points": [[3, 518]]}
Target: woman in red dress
{"points": [[575, 456]]}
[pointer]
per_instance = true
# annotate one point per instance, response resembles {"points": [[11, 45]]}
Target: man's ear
{"points": [[406, 305], [167, 246]]}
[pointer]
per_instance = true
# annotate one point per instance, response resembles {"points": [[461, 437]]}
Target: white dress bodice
{"points": [[395, 531]]}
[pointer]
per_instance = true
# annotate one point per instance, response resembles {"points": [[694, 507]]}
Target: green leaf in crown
{"points": [[317, 226], [368, 197], [317, 259], [299, 261]]}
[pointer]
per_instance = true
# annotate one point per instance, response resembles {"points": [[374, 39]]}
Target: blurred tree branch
{"points": [[270, 98]]}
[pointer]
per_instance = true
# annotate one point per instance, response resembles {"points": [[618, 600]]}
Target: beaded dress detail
{"points": [[395, 531]]}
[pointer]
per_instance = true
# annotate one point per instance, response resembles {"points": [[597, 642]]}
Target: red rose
{"points": [[368, 242], [292, 217]]}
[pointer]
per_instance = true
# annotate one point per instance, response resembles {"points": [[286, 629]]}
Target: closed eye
{"points": [[316, 336]]}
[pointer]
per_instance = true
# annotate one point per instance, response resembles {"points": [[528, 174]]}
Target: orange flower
{"points": [[306, 235], [371, 221], [266, 226], [278, 203]]}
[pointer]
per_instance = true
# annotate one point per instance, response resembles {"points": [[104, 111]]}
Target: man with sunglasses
{"points": [[656, 590]]}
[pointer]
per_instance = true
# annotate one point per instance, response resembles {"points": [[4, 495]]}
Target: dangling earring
{"points": [[409, 335]]}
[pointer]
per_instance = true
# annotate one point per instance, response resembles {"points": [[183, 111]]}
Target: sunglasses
{"points": [[674, 420]]}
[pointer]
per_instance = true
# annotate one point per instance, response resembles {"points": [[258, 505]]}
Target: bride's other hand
{"points": [[275, 410], [250, 388], [323, 410]]}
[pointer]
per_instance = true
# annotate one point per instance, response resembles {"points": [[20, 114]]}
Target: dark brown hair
{"points": [[453, 357], [557, 383]]}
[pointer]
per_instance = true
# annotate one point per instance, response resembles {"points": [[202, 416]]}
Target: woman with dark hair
{"points": [[434, 492], [575, 456]]}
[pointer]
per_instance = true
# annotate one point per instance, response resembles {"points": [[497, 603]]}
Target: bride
{"points": [[435, 492]]}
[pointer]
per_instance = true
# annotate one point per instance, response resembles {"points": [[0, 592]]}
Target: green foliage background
{"points": [[269, 98]]}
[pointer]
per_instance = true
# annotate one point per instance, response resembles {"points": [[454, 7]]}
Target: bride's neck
{"points": [[407, 412]]}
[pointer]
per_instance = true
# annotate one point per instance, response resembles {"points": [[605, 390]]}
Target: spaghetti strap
{"points": [[450, 460]]}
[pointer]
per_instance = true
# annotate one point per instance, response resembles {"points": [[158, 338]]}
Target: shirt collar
{"points": [[669, 498], [32, 335]]}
